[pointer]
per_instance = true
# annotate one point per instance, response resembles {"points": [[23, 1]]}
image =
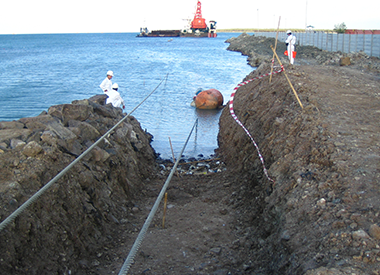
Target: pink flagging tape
{"points": [[241, 124]]}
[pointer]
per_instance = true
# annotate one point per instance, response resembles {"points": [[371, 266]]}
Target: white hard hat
{"points": [[115, 86], [110, 73], [289, 31]]}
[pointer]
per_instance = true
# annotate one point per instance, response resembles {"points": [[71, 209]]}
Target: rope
{"points": [[32, 199], [241, 124], [140, 237]]}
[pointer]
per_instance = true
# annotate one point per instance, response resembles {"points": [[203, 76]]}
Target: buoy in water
{"points": [[208, 99]]}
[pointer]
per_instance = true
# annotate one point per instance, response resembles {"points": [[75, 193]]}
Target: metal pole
{"points": [[275, 47], [306, 16], [258, 22]]}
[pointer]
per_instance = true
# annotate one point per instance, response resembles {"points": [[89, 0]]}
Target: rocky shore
{"points": [[76, 217]]}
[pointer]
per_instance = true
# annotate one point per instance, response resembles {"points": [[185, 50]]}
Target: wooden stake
{"points": [[290, 83], [163, 218], [275, 47]]}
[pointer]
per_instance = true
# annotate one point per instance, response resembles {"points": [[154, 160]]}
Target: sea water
{"points": [[41, 70]]}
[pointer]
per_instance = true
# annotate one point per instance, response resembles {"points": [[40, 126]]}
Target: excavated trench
{"points": [[320, 216]]}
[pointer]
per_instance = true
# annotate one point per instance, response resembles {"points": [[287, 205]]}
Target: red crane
{"points": [[198, 22]]}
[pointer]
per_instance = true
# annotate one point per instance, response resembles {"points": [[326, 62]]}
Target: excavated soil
{"points": [[319, 216]]}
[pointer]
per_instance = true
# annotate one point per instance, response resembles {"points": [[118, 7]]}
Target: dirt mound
{"points": [[322, 209]]}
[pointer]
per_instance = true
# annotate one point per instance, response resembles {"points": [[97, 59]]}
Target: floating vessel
{"points": [[207, 99], [159, 33], [195, 28]]}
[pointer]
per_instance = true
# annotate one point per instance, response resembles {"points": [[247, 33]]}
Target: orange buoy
{"points": [[208, 99]]}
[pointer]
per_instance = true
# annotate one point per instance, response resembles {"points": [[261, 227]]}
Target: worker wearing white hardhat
{"points": [[106, 85], [291, 45], [114, 97]]}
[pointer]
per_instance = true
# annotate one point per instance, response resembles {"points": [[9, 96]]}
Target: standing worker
{"points": [[291, 43], [106, 85], [114, 97]]}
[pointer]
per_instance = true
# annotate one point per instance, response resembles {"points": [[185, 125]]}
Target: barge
{"points": [[195, 28]]}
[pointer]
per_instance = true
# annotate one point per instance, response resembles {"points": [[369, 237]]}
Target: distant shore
{"points": [[269, 30]]}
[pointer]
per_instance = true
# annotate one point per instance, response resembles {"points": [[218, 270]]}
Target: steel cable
{"points": [[32, 199], [140, 237]]}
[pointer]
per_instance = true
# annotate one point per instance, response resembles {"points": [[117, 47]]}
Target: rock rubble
{"points": [[76, 216]]}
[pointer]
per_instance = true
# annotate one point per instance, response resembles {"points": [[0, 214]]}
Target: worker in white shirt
{"points": [[291, 44], [106, 85], [114, 97]]}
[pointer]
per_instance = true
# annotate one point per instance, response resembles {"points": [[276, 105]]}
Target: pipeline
{"points": [[39, 193], [141, 236]]}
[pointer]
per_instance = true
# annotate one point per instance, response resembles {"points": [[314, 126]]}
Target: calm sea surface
{"points": [[41, 70]]}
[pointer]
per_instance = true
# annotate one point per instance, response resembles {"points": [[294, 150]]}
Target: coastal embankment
{"points": [[321, 215], [76, 216]]}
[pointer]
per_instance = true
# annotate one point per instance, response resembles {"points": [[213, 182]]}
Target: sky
{"points": [[100, 16]]}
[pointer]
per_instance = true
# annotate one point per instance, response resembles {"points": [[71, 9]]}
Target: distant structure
{"points": [[352, 31], [196, 28], [198, 22]]}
